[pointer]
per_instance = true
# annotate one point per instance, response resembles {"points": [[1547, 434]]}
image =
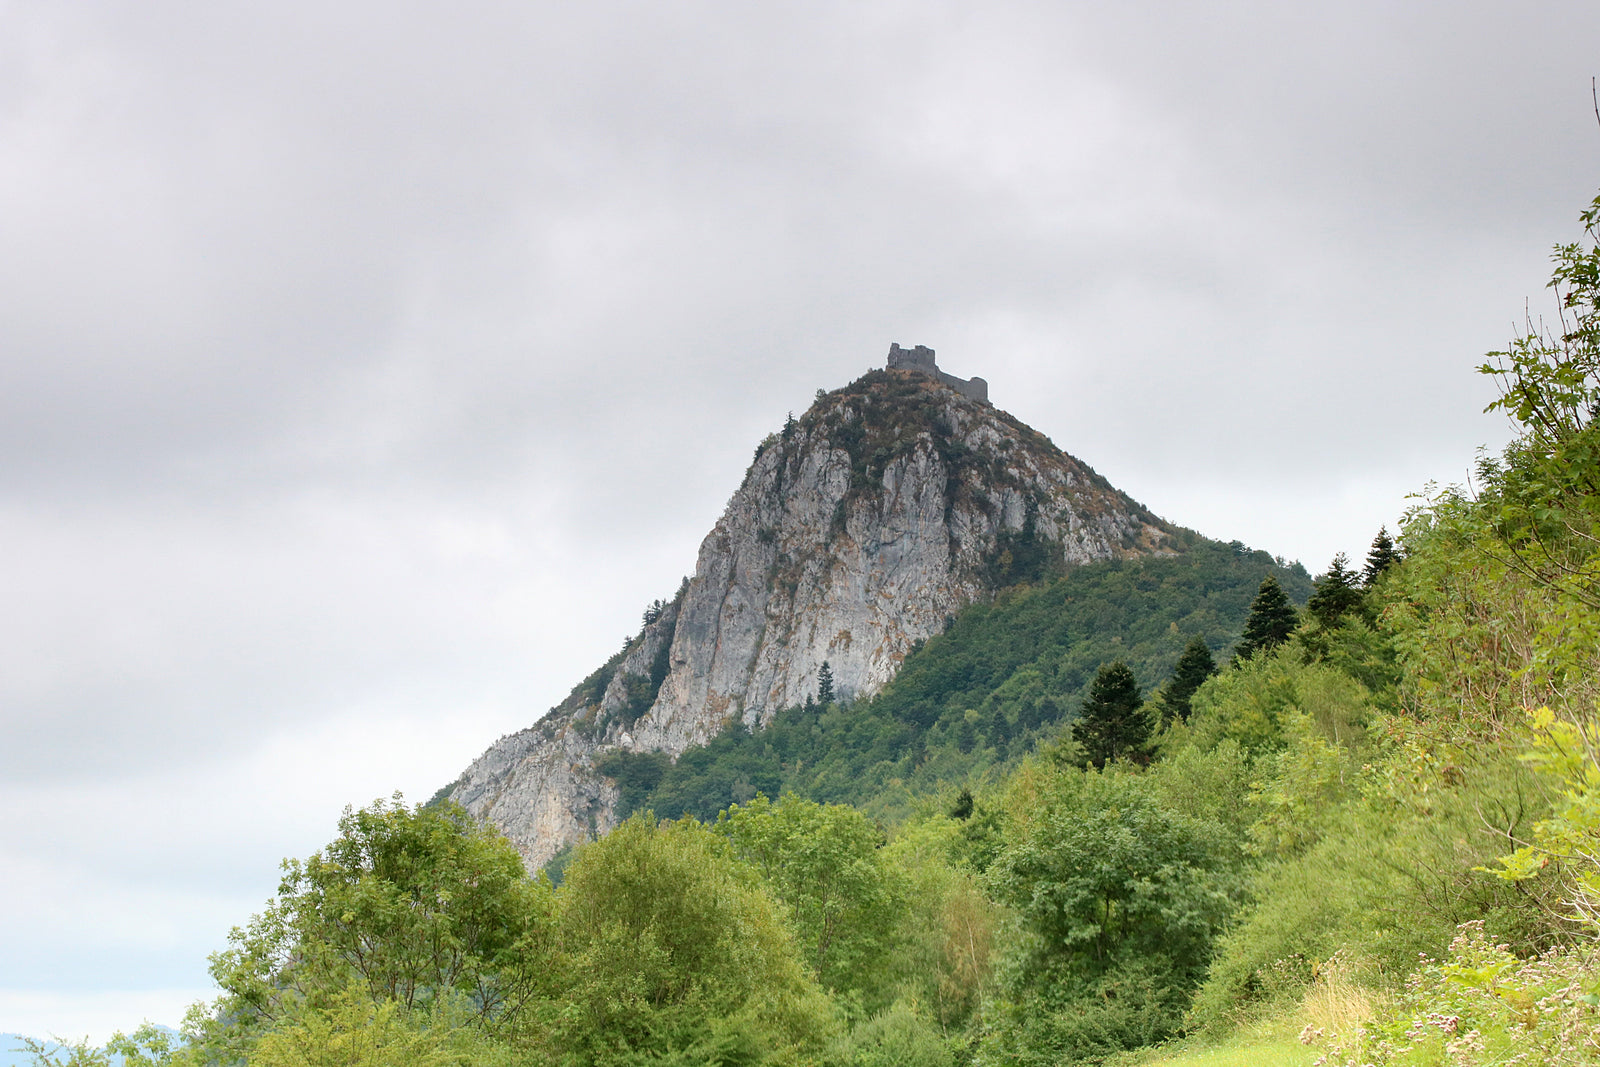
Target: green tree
{"points": [[948, 919], [1192, 669], [1336, 593], [1543, 497], [823, 861], [1251, 703], [825, 684], [1272, 619], [147, 1046], [1380, 557], [407, 905], [674, 952], [1112, 724], [961, 810], [1106, 871], [1118, 901], [355, 1031]]}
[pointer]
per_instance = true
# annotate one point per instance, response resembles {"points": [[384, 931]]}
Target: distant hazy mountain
{"points": [[11, 1054]]}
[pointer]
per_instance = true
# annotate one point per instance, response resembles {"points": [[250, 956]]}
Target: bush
{"points": [[1133, 1004], [1485, 1005], [1391, 874], [897, 1037]]}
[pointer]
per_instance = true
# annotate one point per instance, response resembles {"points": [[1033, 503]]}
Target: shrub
{"points": [[1484, 1005]]}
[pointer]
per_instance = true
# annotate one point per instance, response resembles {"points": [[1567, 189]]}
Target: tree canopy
{"points": [[672, 951], [418, 906]]}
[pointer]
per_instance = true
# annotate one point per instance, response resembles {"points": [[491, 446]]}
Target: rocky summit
{"points": [[860, 528]]}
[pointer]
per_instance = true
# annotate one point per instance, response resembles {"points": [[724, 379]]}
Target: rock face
{"points": [[859, 530]]}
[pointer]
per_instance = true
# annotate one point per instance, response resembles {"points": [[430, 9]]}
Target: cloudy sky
{"points": [[366, 368]]}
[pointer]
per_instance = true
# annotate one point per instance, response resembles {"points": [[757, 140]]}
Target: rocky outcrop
{"points": [[859, 530]]}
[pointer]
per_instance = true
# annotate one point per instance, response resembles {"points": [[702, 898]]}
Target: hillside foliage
{"points": [[972, 701]]}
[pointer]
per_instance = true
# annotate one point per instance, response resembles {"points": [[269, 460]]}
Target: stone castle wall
{"points": [[920, 359]]}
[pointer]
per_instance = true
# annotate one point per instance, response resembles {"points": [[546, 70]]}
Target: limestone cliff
{"points": [[859, 529]]}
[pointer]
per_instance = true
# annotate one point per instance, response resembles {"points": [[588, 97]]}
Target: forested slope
{"points": [[975, 699]]}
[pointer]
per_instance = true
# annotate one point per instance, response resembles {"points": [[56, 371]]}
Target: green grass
{"points": [[1267, 1043], [1276, 1052]]}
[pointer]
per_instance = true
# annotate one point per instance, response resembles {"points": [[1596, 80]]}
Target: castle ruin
{"points": [[920, 359]]}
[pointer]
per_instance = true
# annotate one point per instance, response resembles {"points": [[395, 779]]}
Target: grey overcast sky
{"points": [[366, 368]]}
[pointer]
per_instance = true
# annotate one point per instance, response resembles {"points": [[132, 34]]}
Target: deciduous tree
{"points": [[409, 905], [823, 861], [675, 952]]}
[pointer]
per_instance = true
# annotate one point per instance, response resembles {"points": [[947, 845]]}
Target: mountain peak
{"points": [[860, 528]]}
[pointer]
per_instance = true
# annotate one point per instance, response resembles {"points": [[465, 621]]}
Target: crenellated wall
{"points": [[921, 359]]}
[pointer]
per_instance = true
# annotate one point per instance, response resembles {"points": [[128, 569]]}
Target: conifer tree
{"points": [[1193, 667], [1382, 556], [999, 727], [825, 684], [966, 735], [1112, 724], [1336, 593], [963, 806], [1272, 619]]}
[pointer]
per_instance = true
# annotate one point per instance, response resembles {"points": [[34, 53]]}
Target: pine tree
{"points": [[825, 684], [1382, 556], [966, 735], [1336, 593], [999, 727], [1272, 619], [1112, 724], [963, 806], [1193, 667]]}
